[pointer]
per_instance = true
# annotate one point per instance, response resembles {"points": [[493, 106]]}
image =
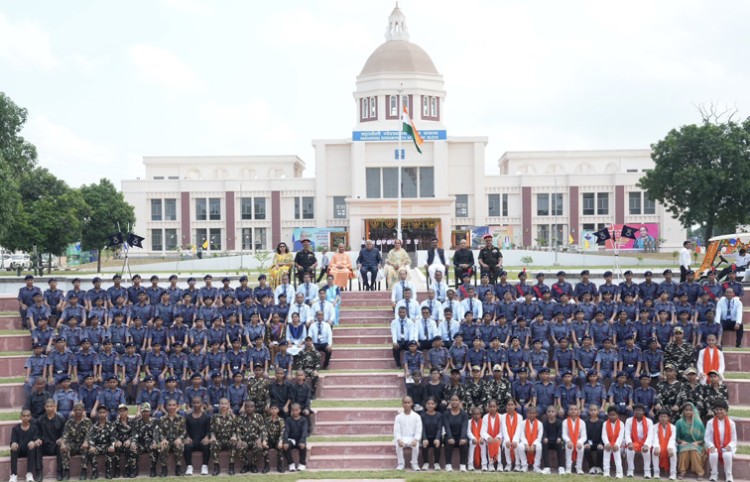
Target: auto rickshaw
{"points": [[719, 247]]}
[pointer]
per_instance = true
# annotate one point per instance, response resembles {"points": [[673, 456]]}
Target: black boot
{"points": [[216, 471], [83, 475], [94, 474], [266, 465], [66, 474], [245, 469], [152, 471], [230, 470], [59, 475], [253, 468], [107, 474], [163, 471], [177, 470], [280, 465]]}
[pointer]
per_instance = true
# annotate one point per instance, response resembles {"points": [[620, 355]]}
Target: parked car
{"points": [[16, 260]]}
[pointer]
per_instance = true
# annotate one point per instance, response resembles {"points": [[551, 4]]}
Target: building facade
{"points": [[246, 203]]}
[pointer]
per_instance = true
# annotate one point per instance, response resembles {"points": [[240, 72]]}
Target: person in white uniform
{"points": [[721, 442], [574, 435], [613, 436], [512, 426], [530, 446], [407, 433], [663, 439], [641, 443]]}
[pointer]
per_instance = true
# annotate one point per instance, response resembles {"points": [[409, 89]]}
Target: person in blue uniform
{"points": [[653, 361], [522, 391], [36, 311], [621, 395], [538, 358], [622, 328], [112, 396], [645, 395], [60, 362], [668, 284], [607, 305], [35, 367], [585, 286], [560, 288], [73, 310], [156, 364], [593, 392], [130, 368], [151, 395], [237, 393], [606, 360], [43, 334], [135, 289], [65, 397], [539, 289], [178, 364], [164, 310], [608, 286], [629, 358], [109, 360], [709, 327], [690, 288], [87, 362], [142, 309], [196, 389], [647, 289], [54, 298], [516, 357], [600, 329], [88, 394], [26, 298], [585, 359], [544, 391], [174, 291], [644, 331], [116, 290], [567, 394]]}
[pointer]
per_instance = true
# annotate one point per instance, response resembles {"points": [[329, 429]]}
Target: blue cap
{"points": [[607, 274], [196, 375], [225, 279], [644, 375], [28, 277], [261, 277], [565, 372], [208, 276], [172, 276], [621, 374], [96, 279], [629, 336], [537, 340], [38, 345], [414, 342], [171, 379], [544, 370], [129, 344], [191, 280], [591, 373], [64, 378], [283, 343], [215, 374], [149, 378], [52, 280], [585, 272], [523, 370], [243, 278]]}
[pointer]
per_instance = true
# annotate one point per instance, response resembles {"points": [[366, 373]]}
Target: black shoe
{"points": [[177, 470], [83, 475], [66, 474], [280, 467], [253, 469], [230, 470], [59, 476], [245, 469], [107, 474], [152, 471], [217, 470], [94, 474], [163, 471], [266, 468]]}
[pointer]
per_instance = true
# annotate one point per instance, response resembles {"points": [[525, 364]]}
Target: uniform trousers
{"points": [[607, 461], [630, 454], [713, 463]]}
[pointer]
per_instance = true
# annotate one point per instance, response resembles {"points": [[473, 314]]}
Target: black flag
{"points": [[135, 241], [602, 235], [114, 239], [628, 232]]}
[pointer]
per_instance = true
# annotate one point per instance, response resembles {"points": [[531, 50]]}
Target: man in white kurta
{"points": [[407, 432], [721, 446], [663, 438], [530, 445], [640, 441], [512, 426], [710, 358], [613, 437], [574, 436], [477, 447]]}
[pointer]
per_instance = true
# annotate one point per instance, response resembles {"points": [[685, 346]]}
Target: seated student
{"points": [[530, 444], [65, 397], [710, 359], [512, 425], [574, 435], [432, 434], [434, 388], [638, 429], [612, 435], [621, 395], [407, 432], [198, 428], [477, 444], [664, 451], [25, 442], [37, 398], [721, 441], [295, 437], [646, 395], [493, 437], [553, 441], [593, 448], [456, 426], [416, 391], [690, 442]]}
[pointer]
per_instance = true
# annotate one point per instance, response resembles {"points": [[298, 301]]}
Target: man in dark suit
{"points": [[463, 261], [435, 260]]}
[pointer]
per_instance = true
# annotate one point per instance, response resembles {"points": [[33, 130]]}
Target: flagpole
{"points": [[398, 159]]}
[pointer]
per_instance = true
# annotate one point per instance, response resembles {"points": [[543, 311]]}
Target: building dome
{"points": [[399, 56]]}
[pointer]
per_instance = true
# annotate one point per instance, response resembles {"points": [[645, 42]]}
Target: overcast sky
{"points": [[107, 83]]}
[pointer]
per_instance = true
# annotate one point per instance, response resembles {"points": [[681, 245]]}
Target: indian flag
{"points": [[410, 129]]}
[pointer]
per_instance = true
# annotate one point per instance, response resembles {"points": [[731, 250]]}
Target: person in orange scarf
{"points": [[710, 359], [664, 443], [530, 445], [493, 436], [574, 436], [613, 436], [638, 440], [721, 441], [477, 445], [512, 426]]}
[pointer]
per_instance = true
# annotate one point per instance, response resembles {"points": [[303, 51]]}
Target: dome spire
{"points": [[397, 26]]}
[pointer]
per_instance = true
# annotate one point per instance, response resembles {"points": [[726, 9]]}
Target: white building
{"points": [[253, 202]]}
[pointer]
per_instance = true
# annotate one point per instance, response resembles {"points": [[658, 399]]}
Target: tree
{"points": [[16, 157], [702, 175], [107, 210]]}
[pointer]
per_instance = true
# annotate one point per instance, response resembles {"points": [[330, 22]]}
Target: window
{"points": [[462, 205], [649, 206], [170, 239], [200, 210], [504, 205], [339, 207], [408, 182], [557, 234], [260, 239], [214, 239], [425, 106], [493, 205], [542, 205], [305, 206], [247, 239], [588, 204], [156, 240], [430, 107], [634, 202], [390, 182], [542, 235], [173, 178], [393, 111], [602, 203], [246, 208], [201, 235], [156, 210], [557, 204], [392, 106], [426, 182], [368, 108], [260, 207], [158, 178], [170, 209], [372, 179], [214, 208], [434, 107]]}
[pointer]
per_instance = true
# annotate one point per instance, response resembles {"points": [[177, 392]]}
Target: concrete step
{"points": [[365, 379], [364, 331], [15, 342], [377, 363], [728, 338], [346, 339], [10, 302], [12, 366], [364, 313], [739, 391], [380, 322], [367, 303], [347, 296], [350, 353], [12, 395], [355, 415], [737, 361], [361, 391], [10, 322], [337, 462], [362, 427]]}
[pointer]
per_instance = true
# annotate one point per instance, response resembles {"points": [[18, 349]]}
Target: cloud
{"points": [[195, 7], [162, 67], [26, 44]]}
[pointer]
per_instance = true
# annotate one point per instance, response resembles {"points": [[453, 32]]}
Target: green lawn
{"points": [[15, 353], [12, 380], [408, 475], [736, 375]]}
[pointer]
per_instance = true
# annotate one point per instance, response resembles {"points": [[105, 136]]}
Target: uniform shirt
{"points": [[490, 256], [53, 298], [504, 287], [567, 395], [283, 360], [580, 329], [254, 330], [321, 333], [236, 395], [215, 361], [449, 329], [216, 393], [413, 361], [629, 358], [35, 312], [188, 313], [559, 330], [144, 311], [497, 357], [436, 309], [458, 355], [123, 310], [111, 398], [26, 294], [609, 288], [692, 289], [607, 359], [477, 357], [244, 292], [561, 288], [36, 363], [402, 330], [621, 395], [329, 311], [646, 397], [544, 393], [309, 291], [705, 329], [89, 396], [583, 288], [547, 308], [522, 392], [594, 394], [78, 312], [670, 287], [303, 310], [176, 395], [527, 310], [652, 360], [622, 330], [42, 336], [166, 312], [588, 309], [564, 358], [208, 292], [196, 362], [113, 292], [647, 290], [729, 310], [260, 292], [608, 308], [60, 362], [131, 364], [586, 357], [599, 332], [254, 355], [515, 357], [663, 332], [235, 360], [156, 363], [305, 258], [65, 400], [153, 397], [97, 294], [108, 362], [537, 358], [178, 363]]}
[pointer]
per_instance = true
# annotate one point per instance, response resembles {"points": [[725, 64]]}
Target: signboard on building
{"points": [[647, 236], [502, 236], [392, 136], [319, 237]]}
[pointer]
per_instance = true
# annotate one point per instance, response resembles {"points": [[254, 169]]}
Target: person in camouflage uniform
{"points": [[498, 389], [145, 431], [275, 439], [714, 391], [223, 435], [693, 391], [251, 434], [476, 395], [101, 441], [668, 393], [170, 436], [257, 389], [124, 440], [454, 387], [680, 354], [309, 362], [74, 440]]}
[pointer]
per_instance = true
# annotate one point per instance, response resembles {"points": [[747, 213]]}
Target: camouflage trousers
{"points": [[131, 459], [248, 451], [92, 459], [223, 444], [273, 443], [171, 448], [138, 449], [69, 450]]}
